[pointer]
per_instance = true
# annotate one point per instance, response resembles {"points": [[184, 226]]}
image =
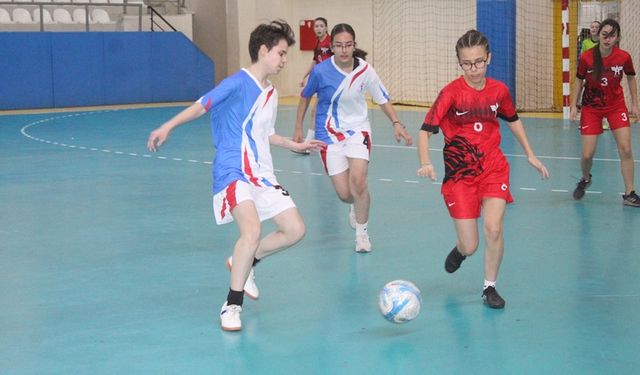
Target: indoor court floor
{"points": [[111, 262]]}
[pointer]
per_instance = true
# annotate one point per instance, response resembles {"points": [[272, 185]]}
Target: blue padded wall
{"points": [[45, 70], [25, 71], [497, 20]]}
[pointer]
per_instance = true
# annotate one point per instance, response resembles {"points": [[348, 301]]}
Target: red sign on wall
{"points": [[307, 35]]}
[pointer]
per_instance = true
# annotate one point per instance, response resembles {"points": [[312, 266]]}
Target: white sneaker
{"points": [[230, 317], [352, 216], [250, 287], [363, 245]]}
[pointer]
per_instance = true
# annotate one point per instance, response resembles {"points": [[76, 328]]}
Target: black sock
{"points": [[255, 261], [458, 251], [235, 298]]}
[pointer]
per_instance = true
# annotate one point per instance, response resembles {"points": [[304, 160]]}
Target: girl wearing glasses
{"points": [[341, 83], [600, 71], [476, 176]]}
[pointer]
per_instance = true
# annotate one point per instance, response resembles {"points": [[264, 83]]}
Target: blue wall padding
{"points": [[25, 71], [46, 70], [497, 20]]}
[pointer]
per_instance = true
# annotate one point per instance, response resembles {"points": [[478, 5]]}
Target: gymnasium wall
{"points": [[52, 70]]}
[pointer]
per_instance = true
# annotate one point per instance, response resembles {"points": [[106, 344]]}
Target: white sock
{"points": [[488, 283], [311, 134], [361, 228]]}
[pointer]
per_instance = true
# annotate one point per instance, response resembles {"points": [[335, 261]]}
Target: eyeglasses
{"points": [[466, 66], [345, 46]]}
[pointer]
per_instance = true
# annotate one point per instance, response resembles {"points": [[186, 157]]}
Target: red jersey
{"points": [[605, 92], [469, 121], [322, 51]]}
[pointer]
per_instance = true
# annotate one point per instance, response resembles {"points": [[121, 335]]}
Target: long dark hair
{"points": [[597, 55], [346, 28]]}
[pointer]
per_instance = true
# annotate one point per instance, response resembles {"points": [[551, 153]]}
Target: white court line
{"points": [[508, 155], [46, 120]]}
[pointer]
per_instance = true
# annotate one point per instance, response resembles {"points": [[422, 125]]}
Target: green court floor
{"points": [[111, 262]]}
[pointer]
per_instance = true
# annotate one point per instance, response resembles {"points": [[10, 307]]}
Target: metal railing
{"points": [[35, 4], [154, 23]]}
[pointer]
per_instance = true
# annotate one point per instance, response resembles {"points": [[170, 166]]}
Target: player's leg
{"points": [[248, 222], [620, 126], [290, 230], [358, 172], [493, 210], [590, 128]]}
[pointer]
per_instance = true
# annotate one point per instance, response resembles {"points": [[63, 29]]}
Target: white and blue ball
{"points": [[400, 301]]}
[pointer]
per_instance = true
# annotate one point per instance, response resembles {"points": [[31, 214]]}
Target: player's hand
{"points": [[427, 170], [635, 113], [400, 132], [573, 113], [157, 138], [537, 164], [311, 145], [297, 135]]}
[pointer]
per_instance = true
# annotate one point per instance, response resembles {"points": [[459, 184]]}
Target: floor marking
{"points": [[24, 132]]}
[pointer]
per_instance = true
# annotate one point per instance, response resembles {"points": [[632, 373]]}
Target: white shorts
{"points": [[335, 156], [269, 201]]}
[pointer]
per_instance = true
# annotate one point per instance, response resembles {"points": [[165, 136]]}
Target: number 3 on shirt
{"points": [[603, 81], [477, 127]]}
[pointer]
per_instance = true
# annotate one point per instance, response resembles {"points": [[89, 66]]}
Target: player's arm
{"points": [[303, 105], [160, 135], [399, 130], [426, 165], [306, 73], [311, 145], [633, 90], [575, 94], [517, 128]]}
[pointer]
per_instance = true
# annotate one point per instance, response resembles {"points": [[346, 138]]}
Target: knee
{"points": [[493, 232], [625, 152], [251, 237], [468, 247], [359, 186], [295, 230]]}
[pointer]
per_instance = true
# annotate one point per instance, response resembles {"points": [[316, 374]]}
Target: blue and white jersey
{"points": [[243, 116], [342, 108]]}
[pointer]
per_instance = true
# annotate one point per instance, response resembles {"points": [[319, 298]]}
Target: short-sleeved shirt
{"points": [[243, 116], [587, 44], [322, 50], [469, 121], [605, 92], [342, 109]]}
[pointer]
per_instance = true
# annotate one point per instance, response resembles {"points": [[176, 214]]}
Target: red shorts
{"points": [[464, 197], [591, 119]]}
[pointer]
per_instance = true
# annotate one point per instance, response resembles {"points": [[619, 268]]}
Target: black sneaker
{"points": [[632, 199], [492, 298], [454, 260], [581, 187]]}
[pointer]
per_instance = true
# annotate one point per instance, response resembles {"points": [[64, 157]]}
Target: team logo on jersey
{"points": [[461, 159], [494, 109], [324, 50], [617, 70]]}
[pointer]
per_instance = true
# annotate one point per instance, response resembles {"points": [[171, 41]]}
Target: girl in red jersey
{"points": [[321, 52], [476, 171], [600, 71]]}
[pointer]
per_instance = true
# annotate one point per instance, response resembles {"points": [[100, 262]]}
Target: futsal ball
{"points": [[400, 301]]}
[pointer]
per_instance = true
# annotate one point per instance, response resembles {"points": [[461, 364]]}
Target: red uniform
{"points": [[475, 167], [322, 50], [604, 97]]}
